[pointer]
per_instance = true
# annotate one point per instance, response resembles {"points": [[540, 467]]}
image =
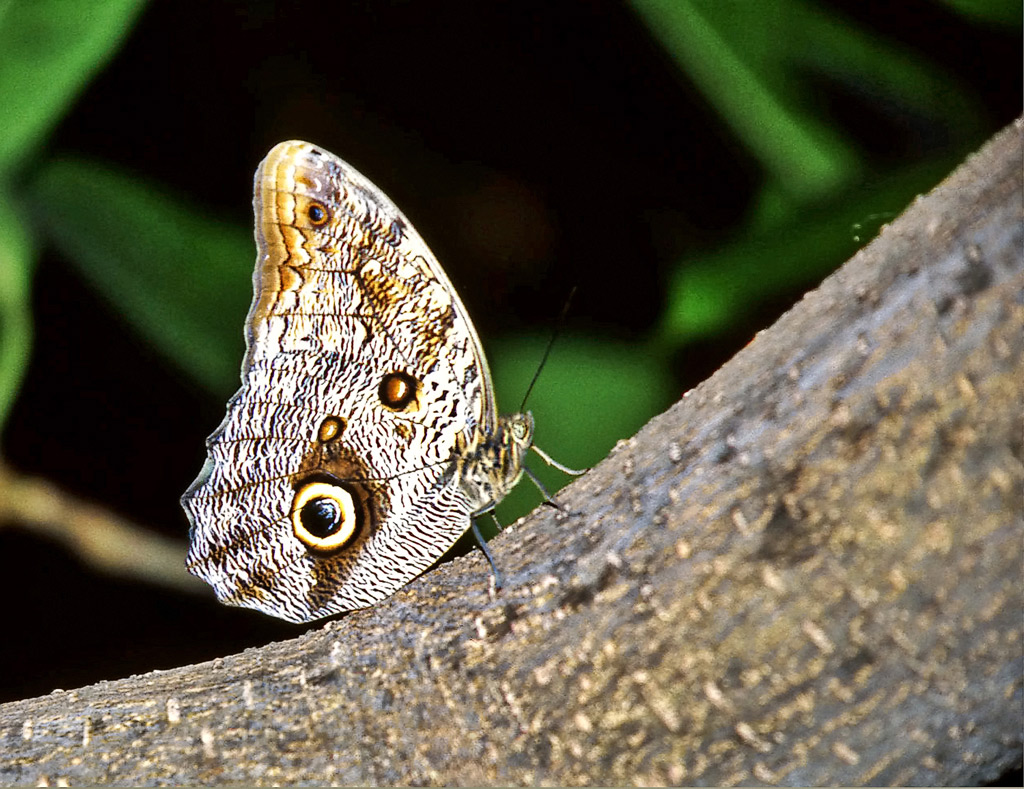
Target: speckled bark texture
{"points": [[808, 571]]}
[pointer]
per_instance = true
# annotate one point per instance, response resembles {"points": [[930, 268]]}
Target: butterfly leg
{"points": [[482, 545], [543, 491], [548, 500]]}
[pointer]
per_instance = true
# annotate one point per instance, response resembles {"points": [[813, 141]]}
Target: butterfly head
{"points": [[490, 464]]}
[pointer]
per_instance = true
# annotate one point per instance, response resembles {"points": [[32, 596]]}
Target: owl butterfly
{"points": [[364, 437]]}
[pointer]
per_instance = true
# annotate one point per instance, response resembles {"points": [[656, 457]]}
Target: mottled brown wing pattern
{"points": [[364, 435]]}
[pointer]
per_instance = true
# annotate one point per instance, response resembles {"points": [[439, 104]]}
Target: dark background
{"points": [[562, 129]]}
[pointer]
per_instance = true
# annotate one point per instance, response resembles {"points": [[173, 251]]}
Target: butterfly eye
{"points": [[317, 214], [398, 390], [325, 517]]}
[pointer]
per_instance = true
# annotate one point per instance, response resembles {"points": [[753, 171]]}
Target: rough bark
{"points": [[808, 571]]}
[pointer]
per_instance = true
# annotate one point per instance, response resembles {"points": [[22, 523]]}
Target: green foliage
{"points": [[998, 13], [730, 52], [754, 63], [709, 290], [49, 49], [45, 60], [16, 257], [181, 279]]}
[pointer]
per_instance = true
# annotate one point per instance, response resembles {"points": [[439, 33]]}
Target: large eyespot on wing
{"points": [[326, 515]]}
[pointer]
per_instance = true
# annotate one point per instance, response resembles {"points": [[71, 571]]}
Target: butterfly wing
{"points": [[329, 483]]}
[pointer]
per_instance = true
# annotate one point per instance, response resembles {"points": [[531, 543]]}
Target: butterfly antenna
{"points": [[551, 344]]}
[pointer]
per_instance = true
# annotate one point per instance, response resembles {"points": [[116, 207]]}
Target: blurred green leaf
{"points": [[1004, 13], [16, 261], [183, 279], [869, 66], [752, 61], [749, 88], [49, 49], [589, 395], [709, 292]]}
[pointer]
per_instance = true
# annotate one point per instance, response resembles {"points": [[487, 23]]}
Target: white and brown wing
{"points": [[330, 482]]}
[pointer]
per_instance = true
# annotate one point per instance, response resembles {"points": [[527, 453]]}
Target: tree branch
{"points": [[100, 538], [808, 571]]}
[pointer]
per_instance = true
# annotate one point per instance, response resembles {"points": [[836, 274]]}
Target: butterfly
{"points": [[365, 436]]}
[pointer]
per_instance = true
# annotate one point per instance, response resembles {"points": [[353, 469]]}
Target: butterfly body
{"points": [[365, 435]]}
